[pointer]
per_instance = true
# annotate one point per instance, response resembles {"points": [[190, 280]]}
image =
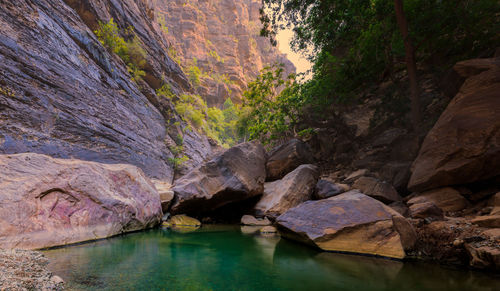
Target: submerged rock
{"points": [[285, 158], [293, 189], [235, 175], [268, 230], [350, 222], [49, 202], [184, 220]]}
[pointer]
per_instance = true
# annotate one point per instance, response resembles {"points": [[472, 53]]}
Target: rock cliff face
{"points": [[223, 38], [63, 94]]}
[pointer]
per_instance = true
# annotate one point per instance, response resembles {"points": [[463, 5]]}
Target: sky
{"points": [[300, 62]]}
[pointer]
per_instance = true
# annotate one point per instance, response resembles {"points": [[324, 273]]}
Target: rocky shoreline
{"points": [[26, 270]]}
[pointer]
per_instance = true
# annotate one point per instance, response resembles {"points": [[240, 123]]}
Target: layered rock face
{"points": [[48, 202], [63, 94], [349, 222], [464, 145], [235, 175], [223, 37]]}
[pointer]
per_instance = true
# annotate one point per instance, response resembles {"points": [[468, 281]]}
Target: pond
{"points": [[235, 258]]}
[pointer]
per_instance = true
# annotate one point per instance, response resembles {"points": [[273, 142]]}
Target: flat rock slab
{"points": [[350, 222], [379, 190], [235, 175], [447, 198], [48, 202]]}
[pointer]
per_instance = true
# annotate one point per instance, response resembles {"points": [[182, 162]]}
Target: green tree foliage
{"points": [[271, 106], [218, 124], [354, 43], [131, 51]]}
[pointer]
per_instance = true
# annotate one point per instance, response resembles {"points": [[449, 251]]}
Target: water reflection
{"points": [[225, 258]]}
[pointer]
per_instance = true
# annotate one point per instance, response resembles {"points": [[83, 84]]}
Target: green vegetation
{"points": [[130, 51], [355, 44], [218, 124], [194, 73]]}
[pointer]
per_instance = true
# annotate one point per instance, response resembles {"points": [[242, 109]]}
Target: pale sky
{"points": [[300, 62]]}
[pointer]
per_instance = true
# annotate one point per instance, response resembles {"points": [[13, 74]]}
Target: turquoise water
{"points": [[228, 258]]}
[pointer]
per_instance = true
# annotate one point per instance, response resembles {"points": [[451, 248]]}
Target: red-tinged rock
{"points": [[286, 158], [48, 202]]}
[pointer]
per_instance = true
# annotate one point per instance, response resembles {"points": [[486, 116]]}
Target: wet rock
{"points": [[491, 221], [447, 198], [293, 189], [326, 189], [350, 222], [379, 190], [48, 202], [285, 158], [252, 221], [426, 210], [184, 220], [268, 229], [464, 144], [235, 175]]}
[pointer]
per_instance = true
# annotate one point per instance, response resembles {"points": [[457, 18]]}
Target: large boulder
{"points": [[293, 189], [447, 198], [47, 202], [285, 158], [235, 175], [350, 222], [379, 190], [464, 144]]}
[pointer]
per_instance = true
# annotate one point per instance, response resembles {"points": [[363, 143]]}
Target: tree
{"points": [[411, 64]]}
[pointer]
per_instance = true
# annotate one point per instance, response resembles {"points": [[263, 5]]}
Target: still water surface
{"points": [[231, 258]]}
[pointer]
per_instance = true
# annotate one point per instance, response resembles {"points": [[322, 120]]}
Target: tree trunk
{"points": [[410, 64]]}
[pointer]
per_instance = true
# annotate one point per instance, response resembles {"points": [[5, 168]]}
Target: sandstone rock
{"points": [[493, 233], [165, 192], [235, 175], [464, 144], [184, 220], [268, 229], [484, 257], [448, 199], [326, 189], [491, 221], [425, 210], [377, 189], [48, 202], [400, 207], [74, 99], [252, 221], [356, 174], [350, 222], [293, 189], [285, 158], [223, 36], [495, 202]]}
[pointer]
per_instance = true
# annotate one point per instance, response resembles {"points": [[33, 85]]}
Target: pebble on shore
{"points": [[26, 270]]}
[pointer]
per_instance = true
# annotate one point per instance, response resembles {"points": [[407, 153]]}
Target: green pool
{"points": [[231, 258]]}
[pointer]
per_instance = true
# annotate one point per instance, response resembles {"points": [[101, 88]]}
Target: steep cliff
{"points": [[62, 93], [221, 39]]}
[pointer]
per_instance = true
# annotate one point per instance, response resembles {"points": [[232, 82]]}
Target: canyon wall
{"points": [[221, 38]]}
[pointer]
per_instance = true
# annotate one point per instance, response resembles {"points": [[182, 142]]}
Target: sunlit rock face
{"points": [[223, 36], [48, 202]]}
